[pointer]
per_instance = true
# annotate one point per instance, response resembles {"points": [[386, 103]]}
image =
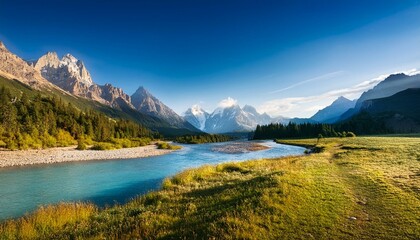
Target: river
{"points": [[24, 189]]}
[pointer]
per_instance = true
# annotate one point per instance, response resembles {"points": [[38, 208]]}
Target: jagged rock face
{"points": [[71, 74], [146, 103], [111, 94], [13, 67], [68, 73]]}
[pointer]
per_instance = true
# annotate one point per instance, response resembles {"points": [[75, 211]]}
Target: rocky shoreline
{"points": [[70, 154], [240, 147]]}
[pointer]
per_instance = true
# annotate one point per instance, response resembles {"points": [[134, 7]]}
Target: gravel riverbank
{"points": [[70, 154]]}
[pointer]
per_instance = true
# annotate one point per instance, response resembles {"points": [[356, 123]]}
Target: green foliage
{"points": [[81, 145], [304, 130], [64, 138], [104, 146], [29, 120], [203, 138], [139, 142], [294, 130], [115, 143], [165, 145]]}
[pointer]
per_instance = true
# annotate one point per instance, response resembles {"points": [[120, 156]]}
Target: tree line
{"points": [[294, 130], [47, 121], [202, 138]]}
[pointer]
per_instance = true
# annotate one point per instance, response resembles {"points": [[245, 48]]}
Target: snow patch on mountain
{"points": [[227, 117]]}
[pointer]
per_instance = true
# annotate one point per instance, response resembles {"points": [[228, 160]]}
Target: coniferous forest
{"points": [[203, 138], [304, 130], [47, 121]]}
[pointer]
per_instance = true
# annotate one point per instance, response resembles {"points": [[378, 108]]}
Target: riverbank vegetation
{"points": [[303, 130], [354, 188], [165, 145], [36, 121], [203, 138]]}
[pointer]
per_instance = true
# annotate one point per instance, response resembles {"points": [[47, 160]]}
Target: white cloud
{"points": [[412, 72], [322, 77], [228, 102], [305, 106]]}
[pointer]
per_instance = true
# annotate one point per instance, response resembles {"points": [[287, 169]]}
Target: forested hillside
{"points": [[31, 120]]}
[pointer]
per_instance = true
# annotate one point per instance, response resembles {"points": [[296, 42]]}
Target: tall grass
{"points": [[47, 221], [353, 188]]}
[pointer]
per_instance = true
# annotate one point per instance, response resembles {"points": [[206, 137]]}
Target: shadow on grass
{"points": [[214, 203]]}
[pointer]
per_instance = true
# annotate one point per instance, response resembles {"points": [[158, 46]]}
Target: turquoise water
{"points": [[106, 182]]}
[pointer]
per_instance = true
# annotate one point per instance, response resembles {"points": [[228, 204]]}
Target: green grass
{"points": [[354, 188]]}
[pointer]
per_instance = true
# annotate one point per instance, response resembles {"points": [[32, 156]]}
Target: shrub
{"points": [[48, 140], [81, 144], [165, 145], [2, 144], [103, 146], [11, 144], [64, 138]]}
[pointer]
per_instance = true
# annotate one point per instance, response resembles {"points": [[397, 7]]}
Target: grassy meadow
{"points": [[354, 188]]}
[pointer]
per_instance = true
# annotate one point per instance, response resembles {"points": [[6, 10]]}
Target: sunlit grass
{"points": [[47, 221], [354, 188]]}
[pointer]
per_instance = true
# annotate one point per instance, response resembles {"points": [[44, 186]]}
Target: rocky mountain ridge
{"points": [[70, 76], [226, 119], [14, 67], [145, 102]]}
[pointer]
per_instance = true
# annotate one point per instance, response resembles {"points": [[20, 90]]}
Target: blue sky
{"points": [[288, 57]]}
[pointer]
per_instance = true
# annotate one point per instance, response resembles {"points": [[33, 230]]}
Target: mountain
{"points": [[197, 117], [146, 103], [77, 89], [71, 75], [399, 113], [226, 119], [391, 85], [332, 113], [13, 67]]}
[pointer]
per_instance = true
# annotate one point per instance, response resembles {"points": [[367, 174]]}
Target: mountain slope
{"points": [[146, 103], [332, 113], [197, 117], [19, 76], [391, 85], [399, 113], [13, 67], [235, 119], [71, 75]]}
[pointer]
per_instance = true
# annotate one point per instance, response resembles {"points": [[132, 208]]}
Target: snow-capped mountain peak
{"points": [[196, 116], [227, 117]]}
